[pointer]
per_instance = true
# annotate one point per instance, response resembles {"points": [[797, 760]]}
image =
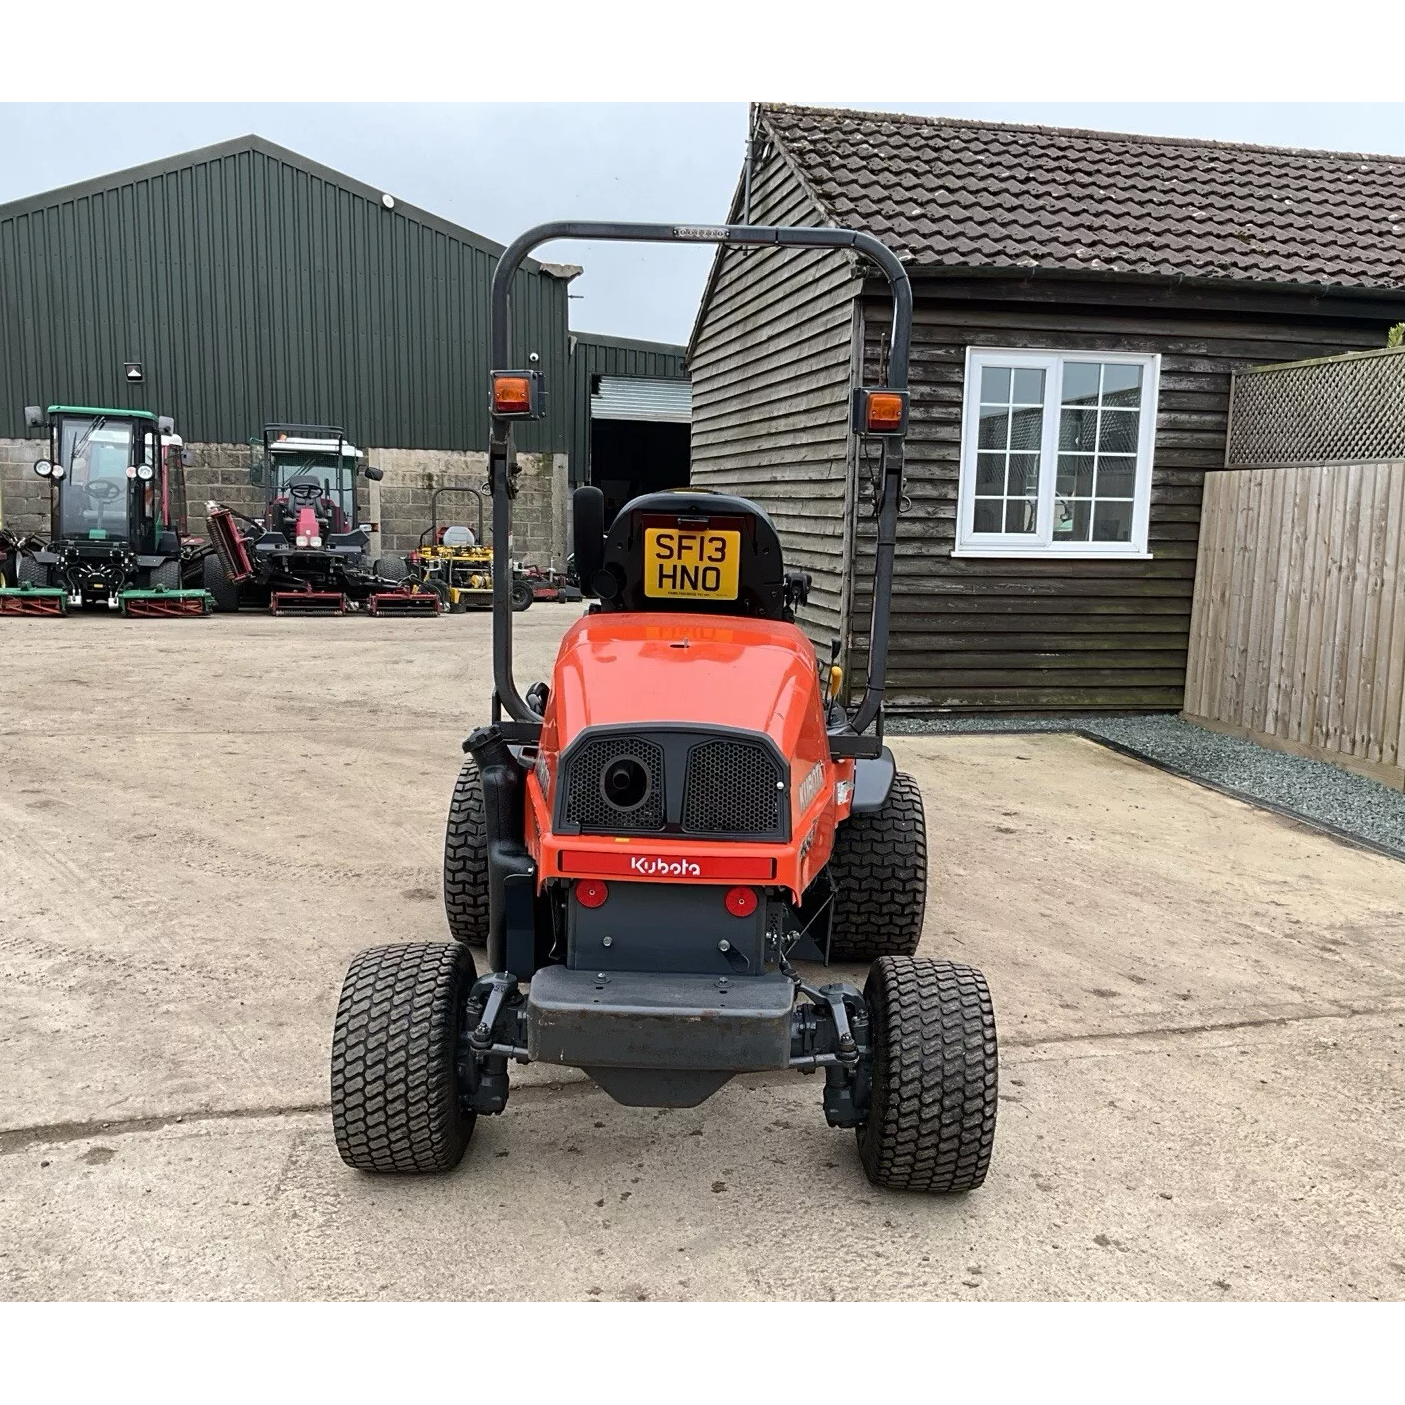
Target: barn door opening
{"points": [[640, 437]]}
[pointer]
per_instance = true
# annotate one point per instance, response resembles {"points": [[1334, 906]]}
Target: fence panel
{"points": [[1298, 626]]}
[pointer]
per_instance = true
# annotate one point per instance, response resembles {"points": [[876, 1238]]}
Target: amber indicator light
{"points": [[885, 411], [512, 395]]}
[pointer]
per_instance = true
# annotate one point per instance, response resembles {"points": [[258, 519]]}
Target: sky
{"points": [[498, 168]]}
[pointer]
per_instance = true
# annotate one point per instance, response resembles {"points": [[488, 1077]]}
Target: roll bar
{"points": [[433, 528], [500, 458]]}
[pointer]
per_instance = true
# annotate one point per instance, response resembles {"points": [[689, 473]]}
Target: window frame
{"points": [[1041, 543]]}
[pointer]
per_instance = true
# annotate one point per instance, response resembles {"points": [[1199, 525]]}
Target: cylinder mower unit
{"points": [[646, 846], [117, 495], [309, 553]]}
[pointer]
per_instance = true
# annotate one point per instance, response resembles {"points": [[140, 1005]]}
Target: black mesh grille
{"points": [[586, 804], [732, 788]]}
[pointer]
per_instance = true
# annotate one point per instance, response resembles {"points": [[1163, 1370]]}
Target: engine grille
{"points": [[586, 804], [733, 788]]}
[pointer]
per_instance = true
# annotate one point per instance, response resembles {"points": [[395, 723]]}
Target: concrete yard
{"points": [[1202, 1009]]}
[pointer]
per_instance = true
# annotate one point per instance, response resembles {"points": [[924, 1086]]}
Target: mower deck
{"points": [[33, 600], [165, 604], [306, 602], [635, 1031], [403, 603]]}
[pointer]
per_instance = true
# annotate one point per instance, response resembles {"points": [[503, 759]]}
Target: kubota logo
{"points": [[664, 868]]}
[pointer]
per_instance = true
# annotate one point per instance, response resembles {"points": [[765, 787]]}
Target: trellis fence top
{"points": [[1337, 409]]}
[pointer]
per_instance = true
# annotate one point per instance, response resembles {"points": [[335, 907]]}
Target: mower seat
{"points": [[647, 566], [303, 491]]}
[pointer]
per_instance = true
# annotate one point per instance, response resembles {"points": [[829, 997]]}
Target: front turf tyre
{"points": [[879, 873], [522, 596], [166, 576], [466, 859], [931, 1118], [395, 1095], [28, 571], [224, 591]]}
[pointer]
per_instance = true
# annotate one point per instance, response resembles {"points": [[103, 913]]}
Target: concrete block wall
{"points": [[397, 506], [400, 502], [220, 473], [24, 496]]}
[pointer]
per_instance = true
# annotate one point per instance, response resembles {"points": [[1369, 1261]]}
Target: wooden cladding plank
{"points": [[1297, 627]]}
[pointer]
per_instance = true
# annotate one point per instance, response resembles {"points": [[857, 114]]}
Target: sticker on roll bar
{"points": [[710, 232]]}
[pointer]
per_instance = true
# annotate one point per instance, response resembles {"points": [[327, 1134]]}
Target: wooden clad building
{"points": [[1082, 301]]}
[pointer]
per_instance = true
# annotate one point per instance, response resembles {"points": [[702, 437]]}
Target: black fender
{"points": [[873, 779], [511, 872]]}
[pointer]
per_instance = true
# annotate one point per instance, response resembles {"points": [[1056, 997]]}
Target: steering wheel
{"points": [[103, 489], [304, 492]]}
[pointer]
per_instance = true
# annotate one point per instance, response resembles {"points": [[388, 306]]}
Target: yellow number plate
{"points": [[682, 565]]}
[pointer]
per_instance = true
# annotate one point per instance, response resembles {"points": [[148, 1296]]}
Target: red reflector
{"points": [[592, 892], [741, 902], [668, 866]]}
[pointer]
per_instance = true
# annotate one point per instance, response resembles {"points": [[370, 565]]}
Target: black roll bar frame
{"points": [[501, 467], [433, 527]]}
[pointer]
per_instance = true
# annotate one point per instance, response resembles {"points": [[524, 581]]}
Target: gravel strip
{"points": [[1314, 791]]}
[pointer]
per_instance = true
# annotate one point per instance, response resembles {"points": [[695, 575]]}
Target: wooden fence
{"points": [[1298, 625]]}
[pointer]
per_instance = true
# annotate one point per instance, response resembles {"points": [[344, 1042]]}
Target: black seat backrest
{"points": [[684, 532]]}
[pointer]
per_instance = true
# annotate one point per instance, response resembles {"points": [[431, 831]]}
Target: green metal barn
{"points": [[243, 284]]}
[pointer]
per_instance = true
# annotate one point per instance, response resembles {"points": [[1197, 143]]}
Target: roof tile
{"points": [[958, 193]]}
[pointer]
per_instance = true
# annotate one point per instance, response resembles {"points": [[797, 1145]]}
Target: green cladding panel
{"points": [[256, 286]]}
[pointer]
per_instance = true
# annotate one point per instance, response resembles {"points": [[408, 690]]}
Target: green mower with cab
{"points": [[117, 500]]}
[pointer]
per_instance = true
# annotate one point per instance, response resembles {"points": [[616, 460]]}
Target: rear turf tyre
{"points": [[879, 873], [224, 590], [28, 571], [521, 596], [931, 1120], [395, 1097], [466, 860]]}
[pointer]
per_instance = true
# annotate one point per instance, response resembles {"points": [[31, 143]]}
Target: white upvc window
{"points": [[1056, 452]]}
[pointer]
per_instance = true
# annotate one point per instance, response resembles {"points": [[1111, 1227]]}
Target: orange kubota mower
{"points": [[645, 845]]}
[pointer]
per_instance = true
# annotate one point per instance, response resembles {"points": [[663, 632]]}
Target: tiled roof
{"points": [[967, 194]]}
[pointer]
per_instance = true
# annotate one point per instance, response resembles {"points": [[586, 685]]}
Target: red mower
{"points": [[310, 553]]}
